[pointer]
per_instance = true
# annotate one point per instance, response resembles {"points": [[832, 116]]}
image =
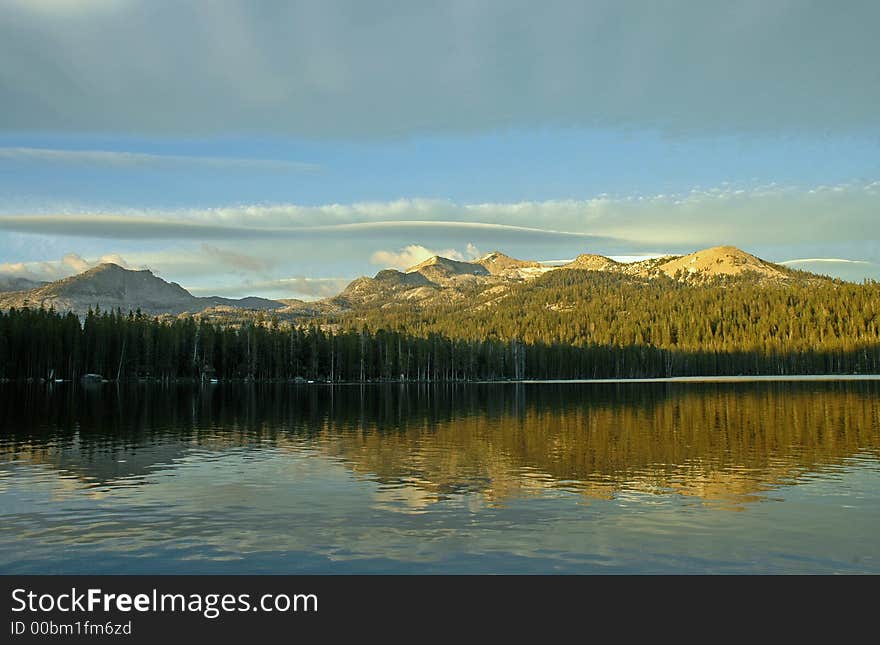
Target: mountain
{"points": [[14, 283], [590, 262], [436, 282], [446, 272], [439, 281], [248, 302], [387, 285], [497, 263], [110, 286], [717, 311], [698, 267], [723, 261]]}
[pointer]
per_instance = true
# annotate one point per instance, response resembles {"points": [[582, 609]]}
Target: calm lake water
{"points": [[570, 478]]}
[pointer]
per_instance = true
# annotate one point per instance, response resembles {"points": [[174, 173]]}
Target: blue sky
{"points": [[281, 149]]}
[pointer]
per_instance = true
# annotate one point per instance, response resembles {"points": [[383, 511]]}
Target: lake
{"points": [[659, 477]]}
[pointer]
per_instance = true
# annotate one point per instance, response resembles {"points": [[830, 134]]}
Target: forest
{"points": [[561, 326]]}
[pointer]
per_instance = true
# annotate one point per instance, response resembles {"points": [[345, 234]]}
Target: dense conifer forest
{"points": [[571, 324]]}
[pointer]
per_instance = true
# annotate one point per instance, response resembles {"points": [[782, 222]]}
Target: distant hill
{"points": [[438, 265], [448, 273], [702, 266], [110, 286], [716, 311], [590, 262], [723, 261], [720, 310], [14, 283], [436, 282], [439, 281], [497, 263]]}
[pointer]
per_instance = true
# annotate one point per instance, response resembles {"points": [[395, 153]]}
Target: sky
{"points": [[282, 149]]}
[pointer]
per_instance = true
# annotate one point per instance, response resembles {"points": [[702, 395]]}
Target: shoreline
{"points": [[714, 379], [586, 381]]}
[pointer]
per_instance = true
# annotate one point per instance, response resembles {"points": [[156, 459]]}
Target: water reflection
{"points": [[715, 442], [229, 472]]}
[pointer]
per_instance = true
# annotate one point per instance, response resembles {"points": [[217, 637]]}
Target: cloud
{"points": [[140, 227], [238, 260], [846, 269], [757, 215], [626, 259], [830, 260], [139, 161], [414, 253], [403, 259], [51, 270], [343, 69], [306, 288], [171, 266], [217, 245]]}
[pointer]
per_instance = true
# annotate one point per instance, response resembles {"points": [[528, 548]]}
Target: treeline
{"points": [[628, 326], [43, 344]]}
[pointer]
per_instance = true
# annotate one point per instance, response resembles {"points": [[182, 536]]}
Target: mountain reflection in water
{"points": [[176, 452]]}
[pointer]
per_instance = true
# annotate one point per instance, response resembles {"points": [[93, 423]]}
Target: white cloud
{"points": [[830, 260], [51, 270], [846, 269], [158, 225], [411, 255], [626, 259], [209, 246], [730, 214], [173, 265], [302, 287]]}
